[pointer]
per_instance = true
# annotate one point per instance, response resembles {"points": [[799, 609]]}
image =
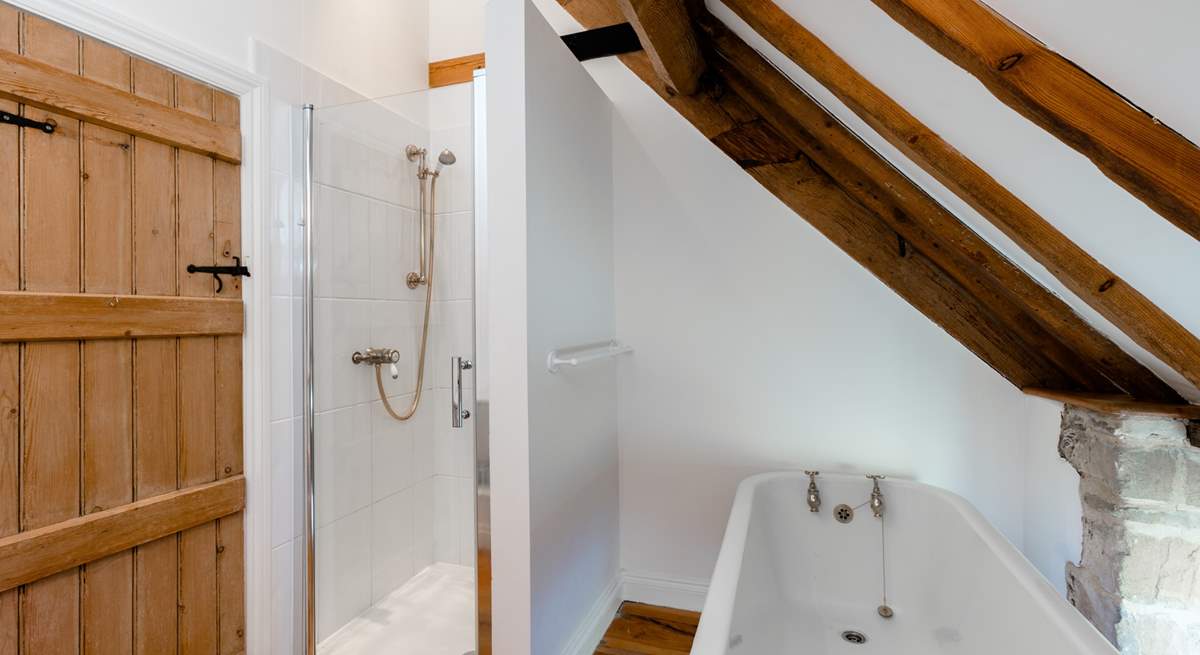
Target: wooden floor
{"points": [[640, 629]]}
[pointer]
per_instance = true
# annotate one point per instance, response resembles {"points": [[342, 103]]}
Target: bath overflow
{"points": [[854, 637]]}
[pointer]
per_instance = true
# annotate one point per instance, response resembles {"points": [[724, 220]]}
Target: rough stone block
{"points": [[1162, 570], [1152, 431], [1100, 606], [1146, 631], [1191, 477], [1104, 550], [1138, 580], [1149, 474]]}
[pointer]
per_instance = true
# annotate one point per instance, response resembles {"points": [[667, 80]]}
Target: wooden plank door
{"points": [[120, 373]]}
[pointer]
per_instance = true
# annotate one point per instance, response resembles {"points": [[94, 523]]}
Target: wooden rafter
{"points": [[1147, 158], [1100, 287], [1118, 404], [1040, 318], [666, 34], [815, 166]]}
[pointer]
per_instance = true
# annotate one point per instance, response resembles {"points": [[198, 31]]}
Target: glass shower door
{"points": [[392, 302]]}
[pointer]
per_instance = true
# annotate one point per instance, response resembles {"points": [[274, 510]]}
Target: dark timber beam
{"points": [[1125, 307], [856, 199], [603, 42], [1039, 317], [666, 34], [1147, 158]]}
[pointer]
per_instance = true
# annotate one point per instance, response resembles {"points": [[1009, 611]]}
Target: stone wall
{"points": [[1138, 580]]}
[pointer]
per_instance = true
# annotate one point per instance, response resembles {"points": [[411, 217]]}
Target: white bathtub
{"points": [[789, 581]]}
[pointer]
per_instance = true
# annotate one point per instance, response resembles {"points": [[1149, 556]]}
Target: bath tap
{"points": [[876, 496], [814, 495]]}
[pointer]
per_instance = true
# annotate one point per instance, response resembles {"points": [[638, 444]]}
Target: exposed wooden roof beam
{"points": [[971, 307], [666, 33], [1118, 404], [1041, 319], [617, 39], [1149, 159], [1134, 314]]}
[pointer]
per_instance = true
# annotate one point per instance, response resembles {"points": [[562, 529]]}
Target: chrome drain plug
{"points": [[854, 637], [843, 513]]}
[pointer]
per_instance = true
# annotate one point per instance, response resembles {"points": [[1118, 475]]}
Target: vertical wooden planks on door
{"points": [[50, 431], [227, 206], [197, 386], [156, 429], [10, 353], [107, 594]]}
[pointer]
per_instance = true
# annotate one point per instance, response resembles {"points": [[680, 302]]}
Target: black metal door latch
{"points": [[13, 119], [237, 270]]}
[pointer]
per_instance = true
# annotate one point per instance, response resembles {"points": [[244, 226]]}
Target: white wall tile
{"points": [[282, 371], [280, 244], [283, 482], [342, 327], [465, 513], [283, 599], [455, 274], [297, 361], [397, 324], [343, 571], [391, 451], [343, 462], [423, 521], [391, 543], [424, 438], [443, 447], [445, 529], [393, 239]]}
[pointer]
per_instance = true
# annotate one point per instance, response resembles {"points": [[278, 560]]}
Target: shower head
{"points": [[447, 158]]}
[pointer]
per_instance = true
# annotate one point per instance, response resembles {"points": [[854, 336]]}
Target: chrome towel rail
{"points": [[578, 355]]}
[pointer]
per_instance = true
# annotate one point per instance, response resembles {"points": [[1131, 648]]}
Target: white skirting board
{"points": [[638, 587], [679, 593], [591, 630]]}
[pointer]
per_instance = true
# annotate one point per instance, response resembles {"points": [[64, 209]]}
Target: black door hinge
{"points": [[20, 121]]}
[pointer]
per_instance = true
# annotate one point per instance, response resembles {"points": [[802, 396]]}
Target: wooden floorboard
{"points": [[640, 629]]}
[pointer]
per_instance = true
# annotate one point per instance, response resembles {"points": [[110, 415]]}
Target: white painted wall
{"points": [[572, 415], [1053, 513], [550, 210], [374, 47], [760, 346], [455, 28], [508, 376]]}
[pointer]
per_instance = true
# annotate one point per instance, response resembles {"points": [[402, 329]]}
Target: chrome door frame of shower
{"points": [[480, 419], [482, 407], [310, 407]]}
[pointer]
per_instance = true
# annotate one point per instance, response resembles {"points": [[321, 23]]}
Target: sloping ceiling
{"points": [[862, 202]]}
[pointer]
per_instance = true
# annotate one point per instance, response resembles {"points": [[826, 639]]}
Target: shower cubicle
{"points": [[394, 436]]}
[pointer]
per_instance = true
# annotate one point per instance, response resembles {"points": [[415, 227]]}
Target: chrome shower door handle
{"points": [[458, 413]]}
